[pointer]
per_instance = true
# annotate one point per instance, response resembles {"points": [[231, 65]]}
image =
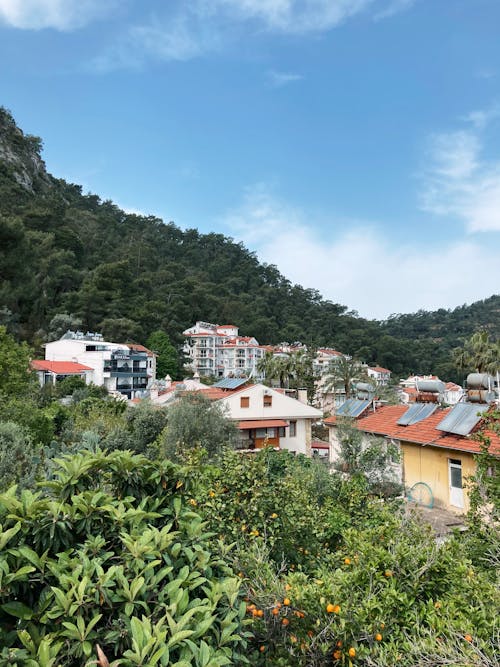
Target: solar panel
{"points": [[417, 413], [230, 383], [462, 418], [353, 407]]}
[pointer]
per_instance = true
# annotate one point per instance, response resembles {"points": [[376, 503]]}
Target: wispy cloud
{"points": [[482, 117], [280, 79], [185, 30], [57, 14], [459, 180], [293, 16], [394, 7], [356, 264]]}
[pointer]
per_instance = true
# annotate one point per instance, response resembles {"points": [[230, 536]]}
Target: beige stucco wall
{"points": [[430, 465]]}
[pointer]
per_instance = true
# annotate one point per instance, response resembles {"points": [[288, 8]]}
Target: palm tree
{"points": [[479, 353], [344, 374]]}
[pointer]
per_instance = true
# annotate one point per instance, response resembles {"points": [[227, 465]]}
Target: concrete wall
{"points": [[430, 465]]}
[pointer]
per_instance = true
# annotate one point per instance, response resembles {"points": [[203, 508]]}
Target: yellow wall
{"points": [[430, 465]]}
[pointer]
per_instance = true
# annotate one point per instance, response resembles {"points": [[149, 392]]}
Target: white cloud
{"points": [[57, 14], [186, 30], [280, 79], [293, 16], [459, 181], [394, 7], [482, 117], [359, 267]]}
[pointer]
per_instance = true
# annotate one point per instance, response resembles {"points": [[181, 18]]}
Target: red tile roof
{"points": [[59, 367], [384, 422], [328, 350], [451, 386], [379, 369], [261, 423], [320, 444], [140, 348]]}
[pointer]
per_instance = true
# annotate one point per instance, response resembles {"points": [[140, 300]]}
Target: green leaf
{"points": [[19, 610]]}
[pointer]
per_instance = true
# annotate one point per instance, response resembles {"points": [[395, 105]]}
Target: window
{"points": [[268, 401], [292, 433], [244, 401]]}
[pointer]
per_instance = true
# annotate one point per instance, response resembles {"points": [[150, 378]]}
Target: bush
{"points": [[108, 553]]}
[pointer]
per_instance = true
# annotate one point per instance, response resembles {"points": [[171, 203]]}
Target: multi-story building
{"points": [[382, 376], [125, 368], [219, 351]]}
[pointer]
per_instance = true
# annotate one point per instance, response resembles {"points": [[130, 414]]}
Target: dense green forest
{"points": [[127, 276]]}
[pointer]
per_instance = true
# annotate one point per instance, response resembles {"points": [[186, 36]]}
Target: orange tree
{"points": [[292, 504], [334, 576], [389, 596]]}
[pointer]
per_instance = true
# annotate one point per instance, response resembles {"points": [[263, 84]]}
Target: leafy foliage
{"points": [[109, 551], [195, 421]]}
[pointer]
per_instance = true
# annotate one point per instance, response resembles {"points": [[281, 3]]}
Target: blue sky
{"points": [[353, 143]]}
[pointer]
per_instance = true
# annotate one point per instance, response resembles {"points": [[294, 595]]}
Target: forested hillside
{"points": [[62, 251]]}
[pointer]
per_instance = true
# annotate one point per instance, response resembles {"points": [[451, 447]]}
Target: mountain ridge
{"points": [[65, 252]]}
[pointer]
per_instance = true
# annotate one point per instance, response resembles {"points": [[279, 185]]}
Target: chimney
{"points": [[168, 381], [302, 396]]}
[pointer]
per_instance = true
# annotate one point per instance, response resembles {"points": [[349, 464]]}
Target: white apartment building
{"points": [[382, 376], [219, 351], [124, 368]]}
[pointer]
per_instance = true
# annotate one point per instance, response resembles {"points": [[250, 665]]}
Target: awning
{"points": [[262, 423]]}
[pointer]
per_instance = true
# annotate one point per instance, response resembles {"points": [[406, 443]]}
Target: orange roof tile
{"points": [[384, 422], [140, 348], [59, 367], [261, 423]]}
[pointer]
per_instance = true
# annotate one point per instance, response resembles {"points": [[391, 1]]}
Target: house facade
{"points": [[219, 351], [126, 369], [267, 417], [437, 447], [382, 376]]}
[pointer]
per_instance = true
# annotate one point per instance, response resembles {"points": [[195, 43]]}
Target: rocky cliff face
{"points": [[20, 153]]}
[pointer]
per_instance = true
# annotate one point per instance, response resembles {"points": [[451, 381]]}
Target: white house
{"points": [[268, 416], [124, 368], [219, 351], [382, 376]]}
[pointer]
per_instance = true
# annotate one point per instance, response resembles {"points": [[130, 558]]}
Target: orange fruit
{"points": [[339, 643], [285, 621], [347, 561], [468, 638], [378, 637], [293, 639], [276, 611], [288, 587], [262, 649], [352, 652], [388, 573], [337, 655], [260, 613], [310, 634], [330, 608], [286, 602]]}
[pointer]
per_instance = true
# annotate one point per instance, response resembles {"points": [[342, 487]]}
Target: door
{"points": [[456, 488]]}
